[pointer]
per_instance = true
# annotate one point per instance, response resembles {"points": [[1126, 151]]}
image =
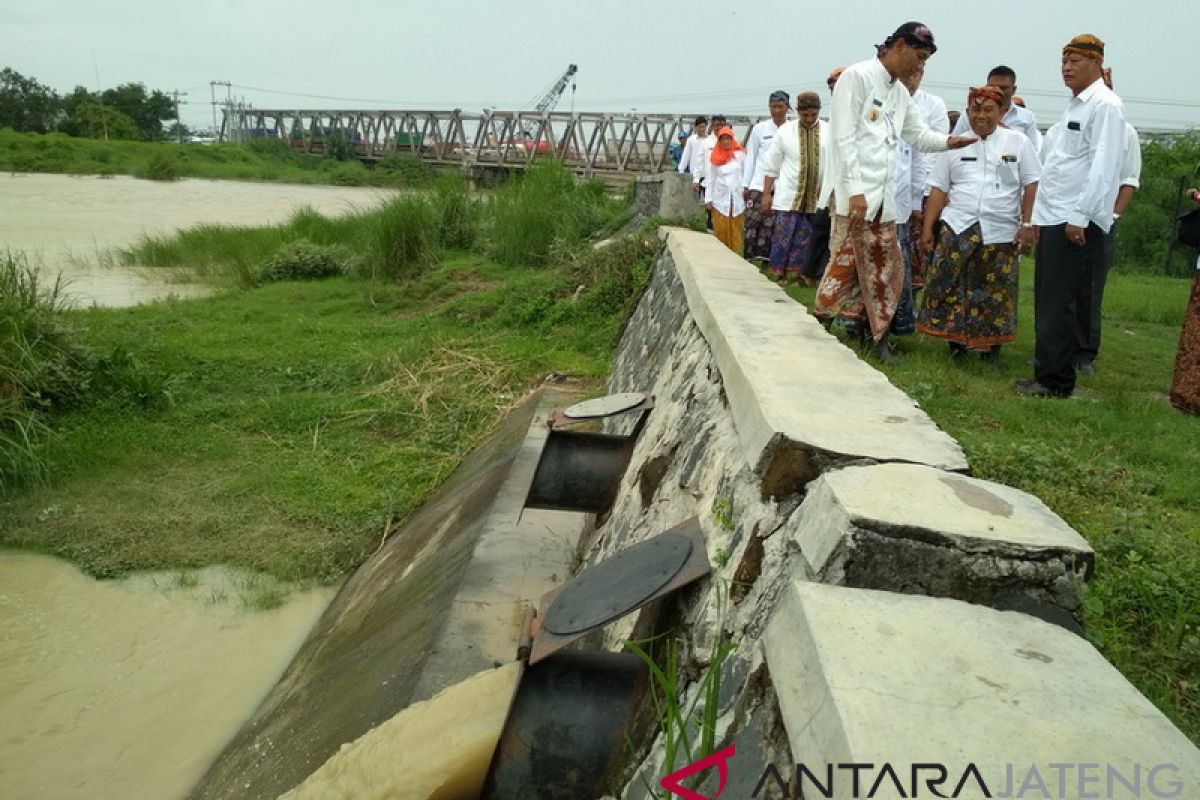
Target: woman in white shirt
{"points": [[723, 193], [983, 196]]}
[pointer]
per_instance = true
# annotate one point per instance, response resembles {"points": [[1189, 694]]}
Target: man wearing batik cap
{"points": [[872, 111], [758, 223], [1074, 215], [792, 175]]}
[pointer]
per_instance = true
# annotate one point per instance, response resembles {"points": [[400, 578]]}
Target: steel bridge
{"points": [[592, 144]]}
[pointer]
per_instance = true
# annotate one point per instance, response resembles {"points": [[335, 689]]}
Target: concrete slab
{"points": [[880, 678], [799, 398], [912, 528], [442, 600]]}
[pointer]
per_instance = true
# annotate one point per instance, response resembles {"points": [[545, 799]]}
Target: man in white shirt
{"points": [[690, 147], [758, 223], [1016, 117], [1074, 215], [872, 110], [792, 173], [1130, 180]]}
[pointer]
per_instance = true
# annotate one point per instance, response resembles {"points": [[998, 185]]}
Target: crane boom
{"points": [[550, 99]]}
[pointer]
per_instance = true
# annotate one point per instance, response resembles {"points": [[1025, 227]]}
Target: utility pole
{"points": [[212, 85], [178, 127]]}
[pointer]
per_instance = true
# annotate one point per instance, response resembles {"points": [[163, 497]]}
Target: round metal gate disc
{"points": [[605, 406], [617, 585]]}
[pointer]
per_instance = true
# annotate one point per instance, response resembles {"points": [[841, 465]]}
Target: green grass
{"points": [[1118, 463], [263, 160], [302, 415]]}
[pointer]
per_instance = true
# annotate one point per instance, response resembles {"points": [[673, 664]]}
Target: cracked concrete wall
{"points": [[803, 464]]}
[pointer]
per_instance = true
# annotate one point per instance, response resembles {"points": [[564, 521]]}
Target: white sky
{"points": [[695, 56]]}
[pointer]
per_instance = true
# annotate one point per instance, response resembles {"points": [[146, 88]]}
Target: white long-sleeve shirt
{"points": [[757, 143], [1016, 118], [1131, 159], [908, 190], [723, 188], [700, 155], [933, 111], [685, 159], [782, 162], [985, 182], [1082, 163], [870, 112]]}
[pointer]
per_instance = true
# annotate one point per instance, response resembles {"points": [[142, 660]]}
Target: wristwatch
{"points": [[1026, 224]]}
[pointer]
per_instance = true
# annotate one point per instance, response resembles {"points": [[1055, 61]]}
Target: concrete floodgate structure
{"points": [[870, 603]]}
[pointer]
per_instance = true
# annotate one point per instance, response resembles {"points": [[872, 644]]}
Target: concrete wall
{"points": [[882, 603]]}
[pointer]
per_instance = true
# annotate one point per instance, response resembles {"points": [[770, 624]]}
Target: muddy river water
{"points": [[117, 690], [62, 222]]}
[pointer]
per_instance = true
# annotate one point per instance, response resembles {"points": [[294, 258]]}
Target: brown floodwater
{"points": [[63, 223], [127, 690]]}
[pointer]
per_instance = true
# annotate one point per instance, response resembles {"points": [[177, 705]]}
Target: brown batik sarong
{"points": [[759, 227], [1185, 387], [865, 276]]}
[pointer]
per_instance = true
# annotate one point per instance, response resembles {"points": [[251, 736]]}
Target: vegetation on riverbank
{"points": [[1118, 463], [301, 419], [260, 160]]}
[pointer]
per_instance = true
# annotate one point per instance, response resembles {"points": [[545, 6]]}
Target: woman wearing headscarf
{"points": [[723, 194], [983, 197]]}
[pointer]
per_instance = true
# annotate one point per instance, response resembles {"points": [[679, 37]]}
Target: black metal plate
{"points": [[618, 584]]}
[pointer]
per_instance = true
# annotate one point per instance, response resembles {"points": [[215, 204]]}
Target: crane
{"points": [[550, 99]]}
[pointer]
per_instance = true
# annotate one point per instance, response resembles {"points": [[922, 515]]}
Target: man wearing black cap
{"points": [[759, 225], [872, 111]]}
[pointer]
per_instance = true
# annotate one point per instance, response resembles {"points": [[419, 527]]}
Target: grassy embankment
{"points": [[1118, 463], [260, 160], [285, 427]]}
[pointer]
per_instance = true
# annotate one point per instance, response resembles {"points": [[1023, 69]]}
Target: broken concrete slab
{"points": [[881, 678], [441, 600], [912, 528], [800, 399]]}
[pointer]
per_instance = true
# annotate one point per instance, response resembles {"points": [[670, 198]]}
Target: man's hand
{"points": [[710, 206], [768, 198], [959, 142], [1076, 235], [927, 240], [1026, 238], [858, 210], [696, 188]]}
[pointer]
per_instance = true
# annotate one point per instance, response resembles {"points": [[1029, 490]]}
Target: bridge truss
{"points": [[592, 144]]}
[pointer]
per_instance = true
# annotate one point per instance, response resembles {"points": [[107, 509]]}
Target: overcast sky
{"points": [[694, 56]]}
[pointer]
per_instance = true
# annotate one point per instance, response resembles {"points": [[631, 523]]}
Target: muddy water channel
{"points": [[63, 223], [116, 690]]}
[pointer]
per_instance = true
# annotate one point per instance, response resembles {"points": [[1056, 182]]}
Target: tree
{"points": [[94, 120], [146, 109], [25, 104]]}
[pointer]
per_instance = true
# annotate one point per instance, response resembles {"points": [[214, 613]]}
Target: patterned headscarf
{"points": [[1085, 45], [985, 93]]}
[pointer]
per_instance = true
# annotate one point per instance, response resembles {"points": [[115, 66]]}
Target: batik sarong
{"points": [[758, 228], [792, 243], [1185, 388], [865, 275], [904, 323], [970, 290], [729, 230]]}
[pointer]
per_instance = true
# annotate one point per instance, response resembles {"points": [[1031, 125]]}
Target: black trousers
{"points": [[1091, 344], [1062, 289]]}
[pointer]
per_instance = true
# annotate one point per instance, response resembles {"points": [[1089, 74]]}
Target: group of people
{"points": [[894, 194]]}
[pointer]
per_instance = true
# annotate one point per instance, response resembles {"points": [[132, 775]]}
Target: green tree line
{"points": [[129, 111]]}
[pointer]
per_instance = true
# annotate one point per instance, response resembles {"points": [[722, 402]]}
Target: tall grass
{"points": [[42, 366]]}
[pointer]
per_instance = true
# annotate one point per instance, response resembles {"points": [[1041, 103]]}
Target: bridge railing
{"points": [[589, 143]]}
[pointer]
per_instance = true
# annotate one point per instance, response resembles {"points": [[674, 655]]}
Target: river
{"points": [[120, 690], [63, 222]]}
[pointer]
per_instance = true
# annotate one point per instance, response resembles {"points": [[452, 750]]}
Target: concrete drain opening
{"points": [[582, 470], [566, 730]]}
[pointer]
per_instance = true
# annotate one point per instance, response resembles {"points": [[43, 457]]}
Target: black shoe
{"points": [[886, 352], [957, 351], [1031, 388], [1085, 367]]}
